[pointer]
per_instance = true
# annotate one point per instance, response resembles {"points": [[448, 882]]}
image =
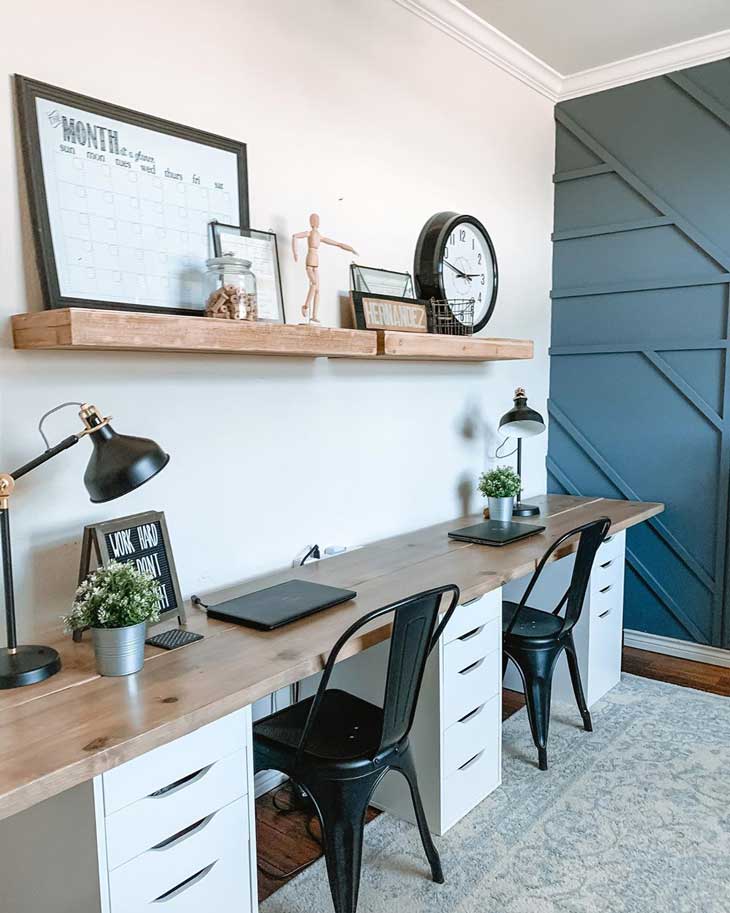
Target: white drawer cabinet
{"points": [[175, 826], [456, 736], [599, 633]]}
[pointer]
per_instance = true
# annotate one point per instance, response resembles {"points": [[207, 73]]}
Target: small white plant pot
{"points": [[119, 651], [501, 508]]}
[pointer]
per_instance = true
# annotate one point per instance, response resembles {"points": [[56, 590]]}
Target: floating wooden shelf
{"points": [[432, 347], [87, 328], [81, 329]]}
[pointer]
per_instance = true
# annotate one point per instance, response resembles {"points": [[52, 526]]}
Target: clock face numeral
{"points": [[467, 267]]}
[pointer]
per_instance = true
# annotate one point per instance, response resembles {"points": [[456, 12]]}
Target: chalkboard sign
{"points": [[142, 540]]}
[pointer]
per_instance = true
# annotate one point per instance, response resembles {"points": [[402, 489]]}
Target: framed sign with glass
{"points": [[121, 201], [381, 281], [262, 252]]}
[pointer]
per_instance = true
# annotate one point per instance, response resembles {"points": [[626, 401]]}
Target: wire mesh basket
{"points": [[451, 317]]}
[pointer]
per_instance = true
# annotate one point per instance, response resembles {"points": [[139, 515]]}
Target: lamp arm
{"points": [[45, 456]]}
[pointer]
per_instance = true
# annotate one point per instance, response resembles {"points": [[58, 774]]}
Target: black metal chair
{"points": [[338, 747], [534, 639]]}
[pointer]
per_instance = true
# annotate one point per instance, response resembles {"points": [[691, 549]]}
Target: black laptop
{"points": [[279, 605], [495, 532]]}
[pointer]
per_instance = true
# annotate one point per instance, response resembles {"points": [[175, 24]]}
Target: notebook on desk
{"points": [[279, 605], [495, 532]]}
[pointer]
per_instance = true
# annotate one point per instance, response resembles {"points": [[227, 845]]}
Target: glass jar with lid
{"points": [[231, 288]]}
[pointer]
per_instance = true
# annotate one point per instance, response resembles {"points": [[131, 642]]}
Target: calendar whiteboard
{"points": [[126, 200]]}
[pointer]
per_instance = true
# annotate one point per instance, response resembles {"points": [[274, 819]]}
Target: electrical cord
{"points": [[312, 553], [49, 413], [503, 456], [296, 804], [198, 602]]}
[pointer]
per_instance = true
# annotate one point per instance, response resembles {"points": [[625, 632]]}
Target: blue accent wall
{"points": [[640, 382]]}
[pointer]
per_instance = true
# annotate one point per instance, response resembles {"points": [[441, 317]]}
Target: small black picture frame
{"points": [[219, 231], [120, 540], [115, 158]]}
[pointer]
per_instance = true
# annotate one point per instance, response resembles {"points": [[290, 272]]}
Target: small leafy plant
{"points": [[114, 596], [502, 482]]}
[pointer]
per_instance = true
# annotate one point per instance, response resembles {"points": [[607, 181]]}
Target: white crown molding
{"points": [[470, 30], [644, 66], [464, 26], [698, 653]]}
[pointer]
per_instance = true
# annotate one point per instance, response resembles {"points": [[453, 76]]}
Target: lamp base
{"points": [[525, 510], [27, 665]]}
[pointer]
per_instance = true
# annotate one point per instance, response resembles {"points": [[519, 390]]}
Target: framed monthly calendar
{"points": [[121, 201]]}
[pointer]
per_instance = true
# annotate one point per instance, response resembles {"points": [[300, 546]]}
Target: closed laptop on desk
{"points": [[495, 532], [279, 605]]}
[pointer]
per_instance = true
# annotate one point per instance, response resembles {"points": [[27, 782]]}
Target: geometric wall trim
{"points": [[640, 380]]}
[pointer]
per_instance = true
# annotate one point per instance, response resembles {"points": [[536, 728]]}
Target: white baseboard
{"points": [[698, 653]]}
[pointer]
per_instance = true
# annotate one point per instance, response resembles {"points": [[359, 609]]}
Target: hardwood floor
{"points": [[701, 676], [287, 836]]}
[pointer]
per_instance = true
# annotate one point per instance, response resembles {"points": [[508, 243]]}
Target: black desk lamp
{"points": [[519, 422], [119, 463]]}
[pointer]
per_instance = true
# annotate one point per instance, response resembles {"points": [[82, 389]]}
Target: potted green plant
{"points": [[500, 486], [116, 602]]}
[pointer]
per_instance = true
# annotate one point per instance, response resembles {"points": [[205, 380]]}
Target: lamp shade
{"points": [[120, 463], [521, 420]]}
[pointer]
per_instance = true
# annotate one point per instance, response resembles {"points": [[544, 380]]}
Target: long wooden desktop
{"points": [[76, 733]]}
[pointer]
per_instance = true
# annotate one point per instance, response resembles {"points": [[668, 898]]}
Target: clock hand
{"points": [[463, 275]]}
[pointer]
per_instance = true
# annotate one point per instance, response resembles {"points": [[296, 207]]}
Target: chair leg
{"points": [[536, 668], [341, 806], [408, 770], [537, 695], [572, 658]]}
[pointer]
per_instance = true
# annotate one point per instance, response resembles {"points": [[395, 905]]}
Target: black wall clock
{"points": [[455, 258]]}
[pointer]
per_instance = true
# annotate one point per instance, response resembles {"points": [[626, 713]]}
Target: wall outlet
{"points": [[329, 551]]}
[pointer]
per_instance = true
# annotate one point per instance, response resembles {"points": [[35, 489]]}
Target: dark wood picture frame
{"points": [[94, 546], [27, 91]]}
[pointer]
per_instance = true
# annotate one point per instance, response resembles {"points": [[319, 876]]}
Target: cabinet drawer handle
{"points": [[604, 614], [607, 564], [184, 885], [186, 832], [471, 714], [470, 601], [471, 761], [470, 634], [608, 538], [180, 784], [605, 589], [467, 669]]}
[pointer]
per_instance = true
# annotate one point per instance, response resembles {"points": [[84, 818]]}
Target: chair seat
{"points": [[532, 624], [347, 727]]}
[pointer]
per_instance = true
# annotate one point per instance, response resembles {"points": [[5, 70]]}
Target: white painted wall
{"points": [[356, 109]]}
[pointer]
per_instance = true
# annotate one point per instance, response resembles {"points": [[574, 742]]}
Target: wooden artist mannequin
{"points": [[310, 308]]}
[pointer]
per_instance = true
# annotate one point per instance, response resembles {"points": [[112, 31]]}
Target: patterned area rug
{"points": [[633, 818]]}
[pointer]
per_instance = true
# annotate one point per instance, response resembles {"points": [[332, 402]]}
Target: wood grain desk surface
{"points": [[58, 733]]}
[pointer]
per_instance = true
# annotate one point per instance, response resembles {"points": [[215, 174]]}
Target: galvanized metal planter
{"points": [[119, 651], [501, 508]]}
